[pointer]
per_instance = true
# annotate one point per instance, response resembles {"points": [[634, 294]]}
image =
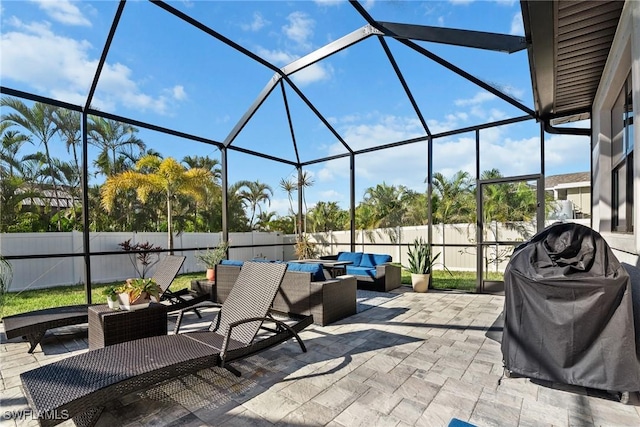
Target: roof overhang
{"points": [[569, 42]]}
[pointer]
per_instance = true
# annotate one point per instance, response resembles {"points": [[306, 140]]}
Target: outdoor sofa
{"points": [[373, 272], [305, 290]]}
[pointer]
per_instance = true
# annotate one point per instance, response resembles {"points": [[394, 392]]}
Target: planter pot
{"points": [[211, 274], [113, 304], [125, 304], [420, 282]]}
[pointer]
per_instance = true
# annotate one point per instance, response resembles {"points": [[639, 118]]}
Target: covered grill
{"points": [[569, 312]]}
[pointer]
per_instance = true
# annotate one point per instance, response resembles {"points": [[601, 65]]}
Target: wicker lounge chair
{"points": [[79, 386], [33, 325]]}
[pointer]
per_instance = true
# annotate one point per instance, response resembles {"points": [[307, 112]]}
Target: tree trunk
{"points": [[169, 227]]}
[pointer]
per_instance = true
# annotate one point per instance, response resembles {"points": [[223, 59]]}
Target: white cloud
{"points": [[256, 24], [517, 27], [61, 67], [299, 29], [479, 98], [278, 57], [328, 3], [63, 11], [179, 93], [313, 73]]}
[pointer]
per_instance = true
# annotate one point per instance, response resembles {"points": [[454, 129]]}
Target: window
{"points": [[622, 160]]}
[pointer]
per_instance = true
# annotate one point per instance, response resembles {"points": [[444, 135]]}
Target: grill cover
{"points": [[569, 312]]}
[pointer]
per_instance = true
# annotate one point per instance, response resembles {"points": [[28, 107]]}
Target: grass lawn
{"points": [[20, 302], [460, 280]]}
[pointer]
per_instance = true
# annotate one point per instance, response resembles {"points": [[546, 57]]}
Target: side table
{"points": [[108, 327], [204, 287]]}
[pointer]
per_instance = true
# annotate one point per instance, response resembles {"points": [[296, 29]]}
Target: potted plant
{"points": [[137, 293], [212, 257], [111, 292], [421, 261], [304, 247]]}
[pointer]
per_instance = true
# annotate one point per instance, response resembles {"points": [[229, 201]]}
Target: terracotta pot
{"points": [[420, 282], [211, 274]]}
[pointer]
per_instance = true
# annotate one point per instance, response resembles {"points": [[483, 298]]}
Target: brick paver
{"points": [[420, 359]]}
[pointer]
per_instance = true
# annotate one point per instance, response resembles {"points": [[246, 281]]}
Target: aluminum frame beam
{"points": [[467, 38]]}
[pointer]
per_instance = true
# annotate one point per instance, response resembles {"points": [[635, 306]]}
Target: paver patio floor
{"points": [[417, 360]]}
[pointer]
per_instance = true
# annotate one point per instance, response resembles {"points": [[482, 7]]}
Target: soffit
{"points": [[569, 41]]}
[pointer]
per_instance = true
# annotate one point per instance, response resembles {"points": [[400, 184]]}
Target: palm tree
{"points": [[289, 186], [253, 194], [388, 204], [453, 200], [39, 121], [327, 216], [305, 181], [205, 162], [263, 221], [68, 127], [117, 142], [10, 145], [153, 175]]}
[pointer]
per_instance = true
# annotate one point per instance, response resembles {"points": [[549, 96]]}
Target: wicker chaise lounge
{"points": [[34, 324], [79, 386]]}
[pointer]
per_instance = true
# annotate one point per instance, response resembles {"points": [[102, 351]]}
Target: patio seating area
{"points": [[419, 359]]}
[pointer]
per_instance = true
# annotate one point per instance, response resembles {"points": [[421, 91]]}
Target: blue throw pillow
{"points": [[368, 260], [381, 258], [317, 274], [232, 262], [354, 257]]}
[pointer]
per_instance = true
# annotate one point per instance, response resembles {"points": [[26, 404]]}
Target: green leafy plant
{"points": [[421, 261], [6, 275], [139, 288], [211, 257], [111, 292]]}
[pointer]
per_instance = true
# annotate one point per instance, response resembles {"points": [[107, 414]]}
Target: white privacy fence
{"points": [[50, 272]]}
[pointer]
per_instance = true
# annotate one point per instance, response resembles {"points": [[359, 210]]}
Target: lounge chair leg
{"points": [[233, 370], [34, 340], [176, 329]]}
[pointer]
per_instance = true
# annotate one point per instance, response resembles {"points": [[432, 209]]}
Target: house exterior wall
{"points": [[581, 199], [624, 58]]}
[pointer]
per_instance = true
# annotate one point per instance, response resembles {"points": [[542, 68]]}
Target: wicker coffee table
{"points": [[108, 327]]}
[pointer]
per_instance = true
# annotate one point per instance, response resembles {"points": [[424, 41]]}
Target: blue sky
{"points": [[162, 71]]}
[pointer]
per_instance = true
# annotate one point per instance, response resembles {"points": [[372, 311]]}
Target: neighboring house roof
{"points": [[565, 180], [47, 197]]}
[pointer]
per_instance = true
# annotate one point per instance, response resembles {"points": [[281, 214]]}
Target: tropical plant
{"points": [[140, 252], [140, 289], [154, 175], [253, 194], [305, 248], [212, 257], [111, 292], [421, 261], [38, 120], [6, 274]]}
